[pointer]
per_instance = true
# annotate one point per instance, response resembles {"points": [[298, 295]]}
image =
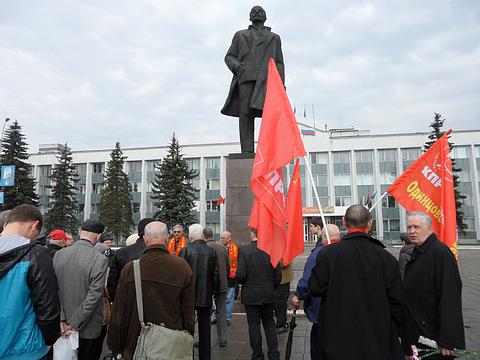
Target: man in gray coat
{"points": [[247, 58], [80, 271], [220, 296]]}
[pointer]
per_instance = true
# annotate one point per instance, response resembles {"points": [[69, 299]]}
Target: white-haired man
{"points": [[433, 291], [204, 264], [168, 293]]}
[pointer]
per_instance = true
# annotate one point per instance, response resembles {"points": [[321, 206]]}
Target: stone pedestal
{"points": [[239, 198]]}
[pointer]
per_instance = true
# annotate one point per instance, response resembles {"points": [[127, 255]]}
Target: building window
{"points": [[137, 187], [94, 208], [98, 168], [212, 205], [134, 166], [388, 201], [212, 163], [391, 225], [45, 170], [136, 207], [97, 188], [81, 169]]}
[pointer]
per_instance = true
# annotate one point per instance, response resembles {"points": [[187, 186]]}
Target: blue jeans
{"points": [[230, 301]]}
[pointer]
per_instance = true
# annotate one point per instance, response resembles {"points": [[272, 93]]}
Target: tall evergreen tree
{"points": [[116, 202], [436, 134], [63, 200], [173, 192], [14, 152]]}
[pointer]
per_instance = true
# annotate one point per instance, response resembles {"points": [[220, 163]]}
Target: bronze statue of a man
{"points": [[248, 58]]}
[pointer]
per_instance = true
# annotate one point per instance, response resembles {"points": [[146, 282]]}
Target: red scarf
{"points": [[233, 255], [181, 244], [363, 230]]}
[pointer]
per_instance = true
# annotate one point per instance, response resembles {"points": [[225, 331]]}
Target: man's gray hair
{"points": [[154, 231], [178, 226], [195, 232], [426, 219]]}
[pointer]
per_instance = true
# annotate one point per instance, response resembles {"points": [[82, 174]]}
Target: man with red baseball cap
{"points": [[57, 241]]}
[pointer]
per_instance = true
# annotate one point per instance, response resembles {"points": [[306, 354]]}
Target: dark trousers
{"points": [[246, 120], [220, 315], [281, 303], [255, 313], [314, 343], [204, 336], [90, 349]]}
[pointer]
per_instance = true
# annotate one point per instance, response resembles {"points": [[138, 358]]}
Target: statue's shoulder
{"points": [[243, 32]]}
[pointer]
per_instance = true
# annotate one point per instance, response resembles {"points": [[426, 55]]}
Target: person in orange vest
{"points": [[178, 241], [232, 250]]}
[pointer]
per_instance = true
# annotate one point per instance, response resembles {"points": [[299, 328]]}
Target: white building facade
{"points": [[347, 165]]}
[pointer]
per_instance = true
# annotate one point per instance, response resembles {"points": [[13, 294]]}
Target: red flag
{"points": [[279, 142], [220, 200], [427, 185], [294, 245]]}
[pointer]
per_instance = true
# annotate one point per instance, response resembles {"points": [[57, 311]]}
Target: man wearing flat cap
{"points": [[80, 271]]}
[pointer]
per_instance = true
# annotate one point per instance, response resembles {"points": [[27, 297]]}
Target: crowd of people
{"points": [[361, 303]]}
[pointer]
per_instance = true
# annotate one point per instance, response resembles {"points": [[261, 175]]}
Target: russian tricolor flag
{"points": [[308, 132]]}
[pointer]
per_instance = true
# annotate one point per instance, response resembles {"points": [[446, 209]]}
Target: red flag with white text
{"points": [[427, 186], [279, 142]]}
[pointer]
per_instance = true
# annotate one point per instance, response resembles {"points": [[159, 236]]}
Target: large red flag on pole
{"points": [[294, 245], [279, 142], [427, 186]]}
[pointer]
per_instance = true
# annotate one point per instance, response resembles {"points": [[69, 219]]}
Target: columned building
{"points": [[348, 167]]}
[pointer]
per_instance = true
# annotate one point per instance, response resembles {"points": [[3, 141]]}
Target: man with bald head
{"points": [[361, 291], [232, 251], [168, 291], [433, 292], [333, 234]]}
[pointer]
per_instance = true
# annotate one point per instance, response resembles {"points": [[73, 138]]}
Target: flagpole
{"points": [[317, 198], [377, 202]]}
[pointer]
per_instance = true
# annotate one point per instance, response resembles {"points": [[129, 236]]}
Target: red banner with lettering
{"points": [[279, 142], [427, 186]]}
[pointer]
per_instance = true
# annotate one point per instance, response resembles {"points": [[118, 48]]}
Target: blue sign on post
{"points": [[8, 175], [1, 197]]}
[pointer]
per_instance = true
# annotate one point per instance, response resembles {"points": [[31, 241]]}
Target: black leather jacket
{"points": [[204, 264], [119, 260]]}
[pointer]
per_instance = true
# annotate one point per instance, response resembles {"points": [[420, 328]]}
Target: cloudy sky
{"points": [[93, 72]]}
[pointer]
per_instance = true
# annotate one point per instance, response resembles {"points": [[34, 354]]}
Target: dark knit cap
{"points": [[93, 226]]}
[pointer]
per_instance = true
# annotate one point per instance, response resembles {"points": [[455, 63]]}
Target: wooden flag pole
{"points": [[317, 198]]}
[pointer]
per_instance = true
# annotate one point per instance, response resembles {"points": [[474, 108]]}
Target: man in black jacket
{"points": [[123, 256], [359, 283], [433, 291], [259, 279], [30, 315], [204, 264]]}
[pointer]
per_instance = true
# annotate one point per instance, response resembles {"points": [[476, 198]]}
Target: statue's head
{"points": [[257, 14]]}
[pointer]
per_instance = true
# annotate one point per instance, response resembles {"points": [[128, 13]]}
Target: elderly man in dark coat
{"points": [[247, 58], [433, 292], [359, 283]]}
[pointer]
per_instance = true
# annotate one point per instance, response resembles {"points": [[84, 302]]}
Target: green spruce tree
{"points": [[116, 202], [63, 200], [173, 192], [14, 152], [436, 134]]}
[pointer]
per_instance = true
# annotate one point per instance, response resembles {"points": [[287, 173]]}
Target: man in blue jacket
{"points": [[311, 303], [30, 316]]}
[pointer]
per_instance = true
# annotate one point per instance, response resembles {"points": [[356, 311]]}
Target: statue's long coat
{"points": [[271, 47]]}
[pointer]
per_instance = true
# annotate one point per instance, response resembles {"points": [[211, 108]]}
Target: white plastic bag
{"points": [[66, 348]]}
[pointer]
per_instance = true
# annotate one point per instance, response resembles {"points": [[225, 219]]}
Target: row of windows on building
{"points": [[334, 175]]}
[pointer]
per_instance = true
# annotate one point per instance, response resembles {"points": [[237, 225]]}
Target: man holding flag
{"points": [[432, 285]]}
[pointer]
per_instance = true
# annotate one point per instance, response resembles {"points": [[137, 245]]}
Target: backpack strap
{"points": [[138, 290]]}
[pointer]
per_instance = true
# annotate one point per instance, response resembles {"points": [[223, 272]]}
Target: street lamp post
{"points": [[3, 129]]}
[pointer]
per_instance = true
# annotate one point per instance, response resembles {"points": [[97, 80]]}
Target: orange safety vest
{"points": [[181, 244]]}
